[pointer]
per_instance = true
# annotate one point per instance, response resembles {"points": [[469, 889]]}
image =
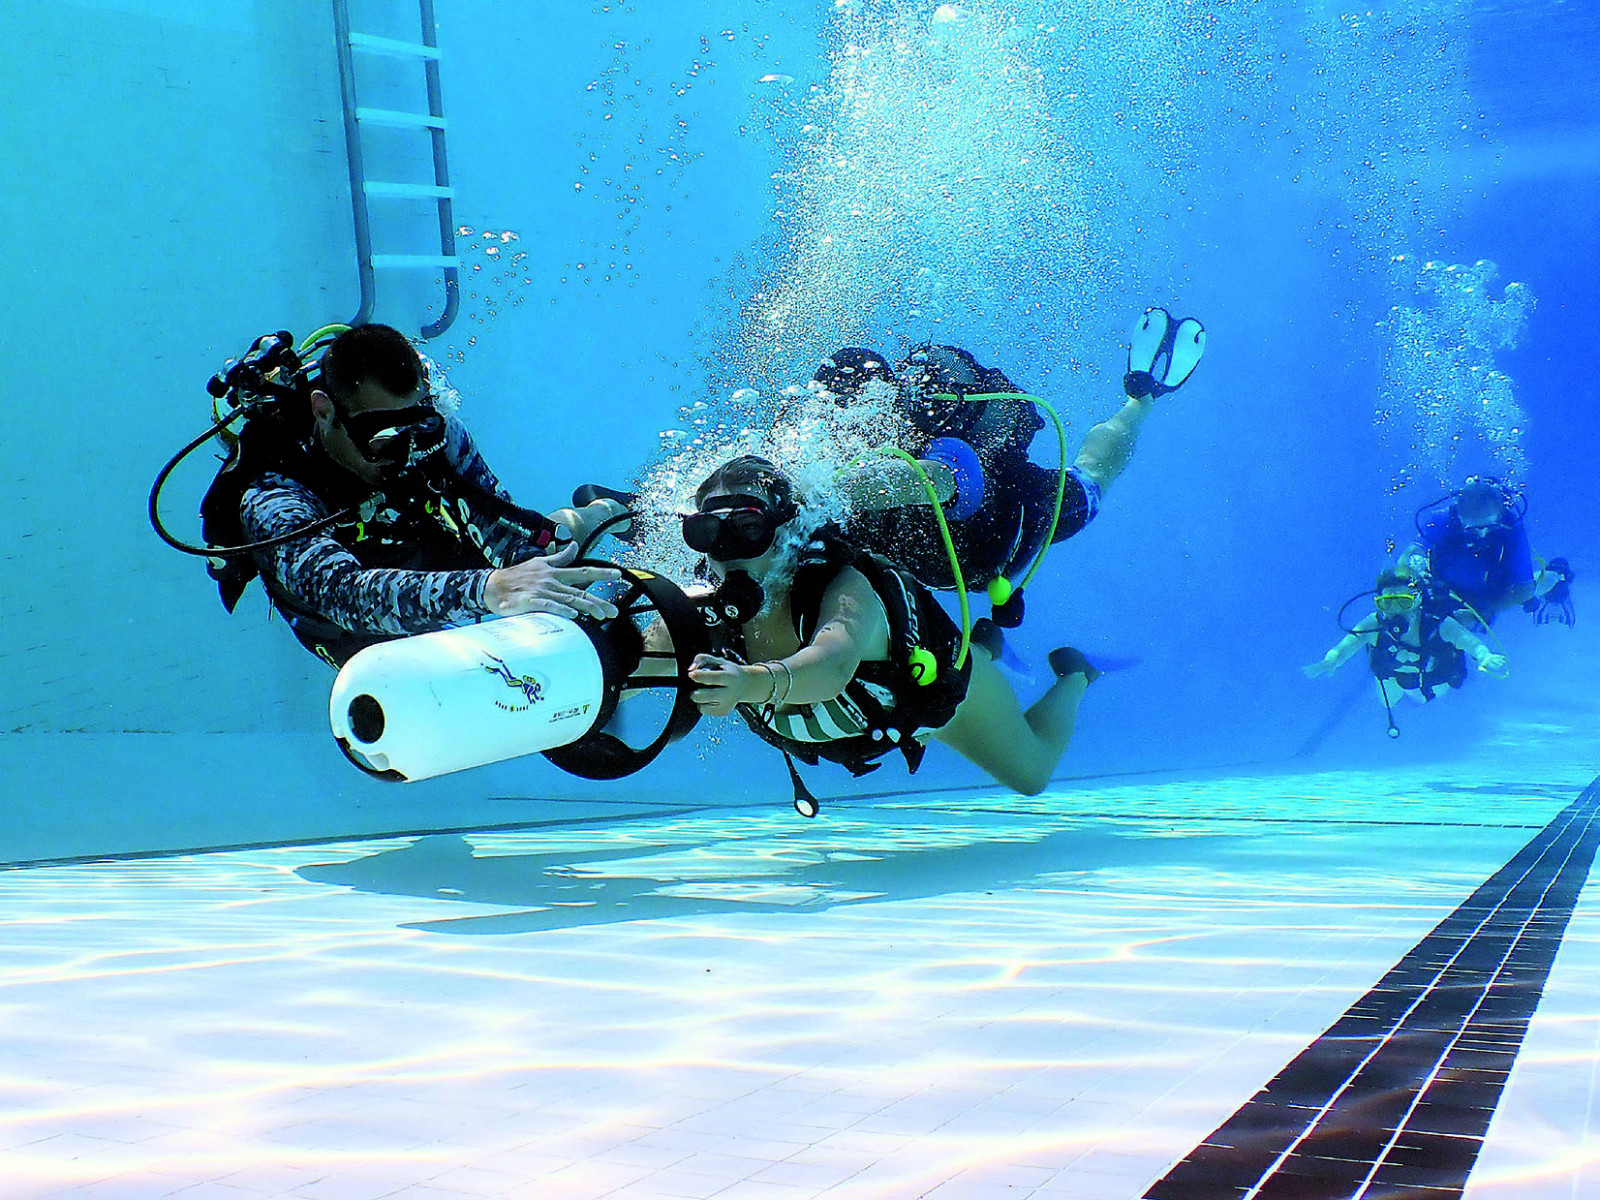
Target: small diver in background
{"points": [[1474, 541], [1419, 637]]}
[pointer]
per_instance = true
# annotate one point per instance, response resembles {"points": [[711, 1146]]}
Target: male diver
{"points": [[1475, 542], [965, 435], [369, 513]]}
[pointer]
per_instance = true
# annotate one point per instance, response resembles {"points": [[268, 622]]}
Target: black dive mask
{"points": [[733, 528], [397, 437]]}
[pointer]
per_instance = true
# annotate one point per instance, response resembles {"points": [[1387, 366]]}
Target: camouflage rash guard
{"points": [[387, 572]]}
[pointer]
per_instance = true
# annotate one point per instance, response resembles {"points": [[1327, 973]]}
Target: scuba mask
{"points": [[1395, 602], [397, 438], [735, 528]]}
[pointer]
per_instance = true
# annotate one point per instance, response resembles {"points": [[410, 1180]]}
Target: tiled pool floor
{"points": [[957, 995]]}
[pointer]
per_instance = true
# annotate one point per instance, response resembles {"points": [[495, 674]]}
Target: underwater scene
{"points": [[768, 600]]}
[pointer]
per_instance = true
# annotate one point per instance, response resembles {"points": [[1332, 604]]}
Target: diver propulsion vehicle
{"points": [[433, 703]]}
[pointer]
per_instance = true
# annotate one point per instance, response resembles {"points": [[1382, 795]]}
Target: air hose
{"points": [[1001, 583], [949, 547], [1001, 589]]}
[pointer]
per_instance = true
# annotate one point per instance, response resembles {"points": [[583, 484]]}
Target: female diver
{"points": [[839, 654]]}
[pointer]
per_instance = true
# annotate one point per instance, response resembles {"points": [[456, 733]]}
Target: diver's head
{"points": [[939, 379], [372, 407], [739, 510], [854, 374], [1482, 504], [1396, 594]]}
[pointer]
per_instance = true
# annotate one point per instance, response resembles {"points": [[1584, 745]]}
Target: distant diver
{"points": [[1419, 638], [1474, 541]]}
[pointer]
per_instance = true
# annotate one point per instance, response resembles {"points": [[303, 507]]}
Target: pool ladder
{"points": [[363, 189]]}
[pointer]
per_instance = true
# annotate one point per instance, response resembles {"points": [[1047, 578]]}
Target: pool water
{"points": [[1245, 944]]}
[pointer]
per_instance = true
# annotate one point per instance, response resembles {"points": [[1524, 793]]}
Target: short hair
{"points": [[371, 354], [746, 472], [1481, 501], [1393, 577]]}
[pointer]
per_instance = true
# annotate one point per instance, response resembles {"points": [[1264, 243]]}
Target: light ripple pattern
{"points": [[912, 993]]}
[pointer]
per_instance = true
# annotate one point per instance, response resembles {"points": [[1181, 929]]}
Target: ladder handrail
{"points": [[440, 191], [441, 178], [358, 170]]}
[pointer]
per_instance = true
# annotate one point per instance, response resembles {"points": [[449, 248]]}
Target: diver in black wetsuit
{"points": [[406, 528], [970, 428]]}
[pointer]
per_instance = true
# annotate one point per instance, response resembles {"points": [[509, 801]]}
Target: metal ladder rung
{"points": [[404, 262], [409, 191], [400, 120], [391, 47]]}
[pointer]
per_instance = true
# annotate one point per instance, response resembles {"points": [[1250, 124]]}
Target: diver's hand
{"points": [[724, 685], [1493, 664], [548, 585], [1316, 670]]}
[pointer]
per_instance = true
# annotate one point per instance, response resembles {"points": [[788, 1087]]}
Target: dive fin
{"points": [[1184, 348], [590, 492], [1148, 337], [1161, 354], [1145, 343], [1068, 660]]}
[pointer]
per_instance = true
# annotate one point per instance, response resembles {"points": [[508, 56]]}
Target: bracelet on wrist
{"points": [[777, 696]]}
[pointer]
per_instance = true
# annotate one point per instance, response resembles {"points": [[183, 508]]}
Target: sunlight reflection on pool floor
{"points": [[963, 992]]}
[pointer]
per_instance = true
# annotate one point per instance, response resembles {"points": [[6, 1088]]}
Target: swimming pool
{"points": [[232, 963]]}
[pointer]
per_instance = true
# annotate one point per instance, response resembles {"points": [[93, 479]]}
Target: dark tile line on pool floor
{"points": [[1395, 1098]]}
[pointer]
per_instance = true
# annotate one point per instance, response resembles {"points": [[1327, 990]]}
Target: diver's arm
{"points": [[468, 460], [891, 482], [1522, 575], [1470, 644], [322, 577], [495, 528], [1365, 634], [852, 628]]}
